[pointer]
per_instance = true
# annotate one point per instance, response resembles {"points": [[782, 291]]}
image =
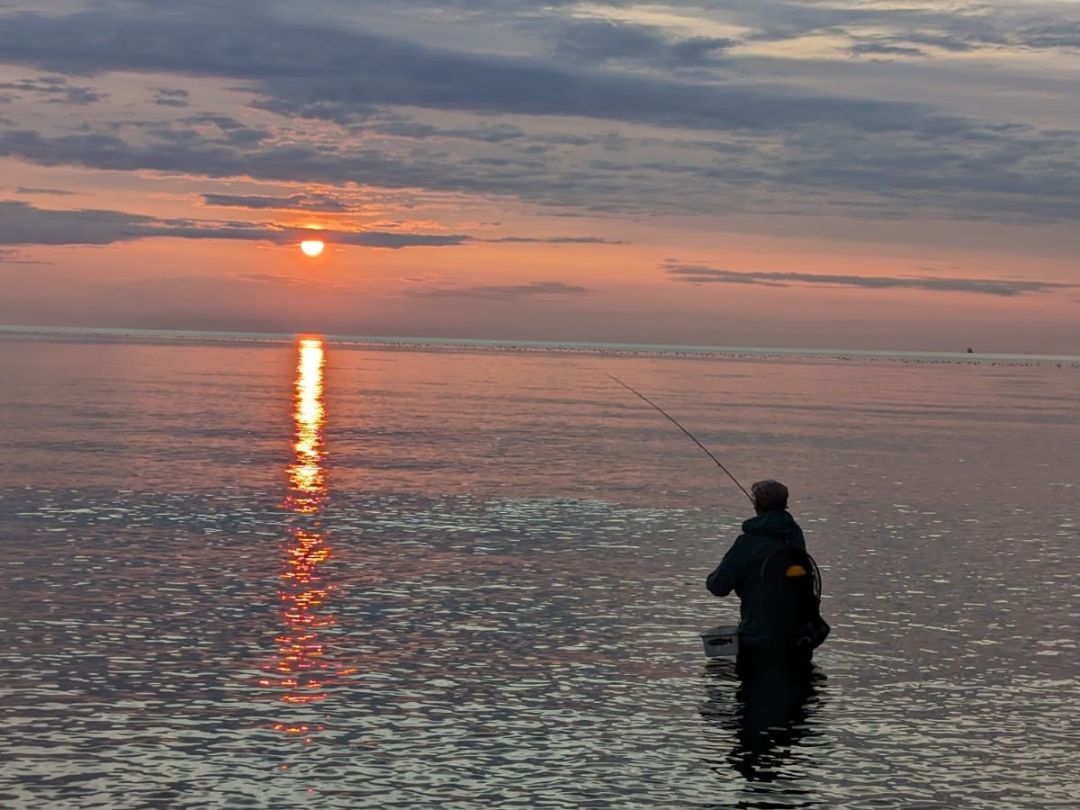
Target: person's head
{"points": [[769, 496]]}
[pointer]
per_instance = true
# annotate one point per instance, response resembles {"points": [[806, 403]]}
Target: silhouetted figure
{"points": [[778, 586]]}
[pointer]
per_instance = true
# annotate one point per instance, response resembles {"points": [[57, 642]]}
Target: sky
{"points": [[789, 173]]}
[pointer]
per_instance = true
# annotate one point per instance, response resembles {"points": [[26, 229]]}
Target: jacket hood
{"points": [[771, 524]]}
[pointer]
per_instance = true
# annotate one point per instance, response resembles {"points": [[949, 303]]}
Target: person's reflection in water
{"points": [[769, 710]]}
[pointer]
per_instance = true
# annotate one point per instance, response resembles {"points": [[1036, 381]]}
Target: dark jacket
{"points": [[738, 571]]}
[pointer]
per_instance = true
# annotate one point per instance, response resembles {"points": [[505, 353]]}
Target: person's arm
{"points": [[729, 573]]}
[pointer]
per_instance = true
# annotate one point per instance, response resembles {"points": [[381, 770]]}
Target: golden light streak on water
{"points": [[306, 476], [301, 670]]}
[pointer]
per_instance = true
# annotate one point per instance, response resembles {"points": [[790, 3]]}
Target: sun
{"points": [[312, 247]]}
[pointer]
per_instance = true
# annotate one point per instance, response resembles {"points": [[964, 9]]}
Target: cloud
{"points": [[23, 224], [700, 274], [385, 239], [308, 162], [171, 97], [54, 90], [773, 147], [343, 69], [954, 168], [296, 202], [997, 172], [55, 192], [877, 48], [600, 41], [960, 28], [553, 240], [13, 256], [210, 128], [272, 278], [200, 156], [784, 20], [507, 292], [400, 127], [281, 280], [1052, 35]]}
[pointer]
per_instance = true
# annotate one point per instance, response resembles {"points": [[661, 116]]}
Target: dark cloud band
{"points": [[507, 292], [700, 274], [23, 224]]}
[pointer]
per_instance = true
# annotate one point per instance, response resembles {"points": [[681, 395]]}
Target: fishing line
{"points": [[693, 438]]}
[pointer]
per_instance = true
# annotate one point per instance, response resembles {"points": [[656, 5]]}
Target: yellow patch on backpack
{"points": [[795, 571]]}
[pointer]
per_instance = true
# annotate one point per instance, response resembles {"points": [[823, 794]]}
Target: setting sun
{"points": [[312, 247]]}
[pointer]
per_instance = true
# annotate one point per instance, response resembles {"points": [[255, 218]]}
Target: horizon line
{"points": [[470, 342]]}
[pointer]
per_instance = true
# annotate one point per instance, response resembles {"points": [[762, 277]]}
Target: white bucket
{"points": [[721, 642]]}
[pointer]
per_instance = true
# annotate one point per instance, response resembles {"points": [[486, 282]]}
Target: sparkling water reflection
{"points": [[482, 585], [305, 667]]}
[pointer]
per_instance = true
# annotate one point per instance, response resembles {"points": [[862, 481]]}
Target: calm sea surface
{"points": [[306, 573]]}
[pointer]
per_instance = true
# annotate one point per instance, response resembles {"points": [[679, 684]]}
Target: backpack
{"points": [[791, 588]]}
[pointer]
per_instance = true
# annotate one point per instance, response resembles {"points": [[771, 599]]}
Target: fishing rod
{"points": [[693, 438]]}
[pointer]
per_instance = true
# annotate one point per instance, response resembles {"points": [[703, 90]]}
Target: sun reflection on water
{"points": [[302, 671], [307, 481]]}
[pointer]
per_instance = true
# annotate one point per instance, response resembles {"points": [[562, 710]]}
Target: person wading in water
{"points": [[777, 583]]}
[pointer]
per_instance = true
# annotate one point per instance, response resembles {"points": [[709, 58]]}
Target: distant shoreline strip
{"points": [[164, 336]]}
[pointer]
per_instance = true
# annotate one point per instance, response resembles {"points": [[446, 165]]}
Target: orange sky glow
{"points": [[859, 178]]}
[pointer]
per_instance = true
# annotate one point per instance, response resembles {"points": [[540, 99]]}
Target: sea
{"points": [[302, 570]]}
